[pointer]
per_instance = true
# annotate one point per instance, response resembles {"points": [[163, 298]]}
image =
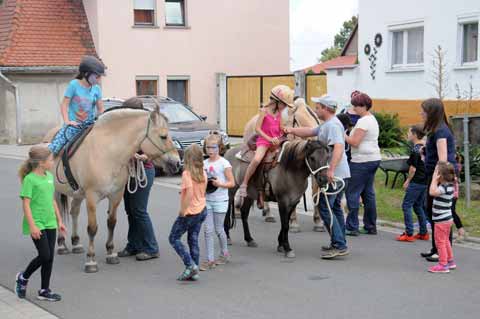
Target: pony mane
{"points": [[117, 113], [293, 153]]}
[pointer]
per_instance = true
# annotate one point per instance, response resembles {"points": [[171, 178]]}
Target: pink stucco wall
{"points": [[230, 36]]}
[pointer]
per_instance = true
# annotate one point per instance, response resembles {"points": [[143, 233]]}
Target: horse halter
{"points": [[315, 172], [147, 137]]}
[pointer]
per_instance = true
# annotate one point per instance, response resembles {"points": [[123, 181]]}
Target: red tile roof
{"points": [[44, 33], [340, 61]]}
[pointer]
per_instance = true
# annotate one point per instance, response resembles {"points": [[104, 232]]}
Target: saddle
{"points": [[67, 153], [270, 160]]}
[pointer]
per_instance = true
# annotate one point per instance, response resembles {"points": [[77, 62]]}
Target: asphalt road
{"points": [[380, 279]]}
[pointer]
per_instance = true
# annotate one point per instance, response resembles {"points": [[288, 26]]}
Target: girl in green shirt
{"points": [[41, 219]]}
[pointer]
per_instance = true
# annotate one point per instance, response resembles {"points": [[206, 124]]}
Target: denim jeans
{"points": [[141, 236], [66, 134], [191, 225], [214, 222], [362, 183], [414, 198], [337, 231]]}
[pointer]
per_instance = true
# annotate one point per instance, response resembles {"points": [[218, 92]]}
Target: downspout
{"points": [[17, 108]]}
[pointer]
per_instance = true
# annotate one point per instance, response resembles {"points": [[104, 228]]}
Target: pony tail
{"points": [[25, 169]]}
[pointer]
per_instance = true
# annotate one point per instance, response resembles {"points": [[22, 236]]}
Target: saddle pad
{"points": [[246, 155]]}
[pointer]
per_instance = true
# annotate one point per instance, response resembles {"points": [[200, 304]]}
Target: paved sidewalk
{"points": [[13, 308]]}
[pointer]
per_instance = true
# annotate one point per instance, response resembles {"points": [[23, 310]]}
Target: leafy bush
{"points": [[474, 162], [391, 133]]}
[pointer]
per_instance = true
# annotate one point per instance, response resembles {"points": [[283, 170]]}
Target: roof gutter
{"points": [[351, 66], [18, 125], [38, 69]]}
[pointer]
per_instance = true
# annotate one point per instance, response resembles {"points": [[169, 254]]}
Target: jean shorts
{"points": [[219, 207]]}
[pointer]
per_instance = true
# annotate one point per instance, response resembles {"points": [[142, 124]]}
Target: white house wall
{"points": [[440, 28], [340, 87]]}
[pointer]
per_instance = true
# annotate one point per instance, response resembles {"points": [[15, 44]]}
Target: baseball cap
{"points": [[327, 101]]}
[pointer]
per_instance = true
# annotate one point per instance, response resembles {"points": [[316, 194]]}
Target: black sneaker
{"points": [[433, 258], [425, 255], [20, 286], [48, 295]]}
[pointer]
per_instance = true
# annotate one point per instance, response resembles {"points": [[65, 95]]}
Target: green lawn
{"points": [[389, 205]]}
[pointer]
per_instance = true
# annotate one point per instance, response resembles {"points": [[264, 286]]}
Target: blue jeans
{"points": [[66, 134], [362, 183], [192, 226], [414, 198], [337, 232], [141, 237]]}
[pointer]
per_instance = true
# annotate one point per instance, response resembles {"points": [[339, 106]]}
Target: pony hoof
{"points": [[229, 242], [280, 249], [113, 260], [78, 249], [319, 228], [295, 229], [91, 268], [252, 244], [63, 251], [290, 254], [270, 219]]}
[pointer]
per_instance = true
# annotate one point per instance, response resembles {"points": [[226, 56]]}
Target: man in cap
{"points": [[331, 132]]}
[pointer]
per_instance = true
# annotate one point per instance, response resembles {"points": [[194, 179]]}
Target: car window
{"points": [[177, 113]]}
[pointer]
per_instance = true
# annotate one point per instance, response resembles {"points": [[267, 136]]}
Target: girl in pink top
{"points": [[269, 129]]}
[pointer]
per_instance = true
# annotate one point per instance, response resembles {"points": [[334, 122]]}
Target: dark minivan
{"points": [[186, 127]]}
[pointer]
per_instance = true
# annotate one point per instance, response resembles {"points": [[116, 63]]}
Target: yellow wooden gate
{"points": [[245, 94], [315, 85]]}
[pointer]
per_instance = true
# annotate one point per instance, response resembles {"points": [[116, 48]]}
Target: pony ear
{"points": [[154, 115]]}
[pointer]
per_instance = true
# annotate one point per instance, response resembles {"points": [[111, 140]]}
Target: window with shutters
{"points": [[178, 90], [144, 12], [147, 86]]}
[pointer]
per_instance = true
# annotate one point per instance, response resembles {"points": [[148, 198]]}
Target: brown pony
{"points": [[301, 115]]}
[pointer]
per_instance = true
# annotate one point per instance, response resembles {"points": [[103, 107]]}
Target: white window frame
{"points": [[404, 27], [462, 21]]}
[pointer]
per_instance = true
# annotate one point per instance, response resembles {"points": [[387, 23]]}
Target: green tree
{"points": [[339, 41], [330, 53]]}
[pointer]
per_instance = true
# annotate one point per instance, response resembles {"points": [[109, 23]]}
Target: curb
{"points": [[468, 239]]}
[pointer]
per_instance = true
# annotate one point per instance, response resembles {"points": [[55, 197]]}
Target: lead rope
{"points": [[324, 190], [136, 172]]}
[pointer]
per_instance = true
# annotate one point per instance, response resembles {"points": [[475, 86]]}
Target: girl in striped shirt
{"points": [[442, 190]]}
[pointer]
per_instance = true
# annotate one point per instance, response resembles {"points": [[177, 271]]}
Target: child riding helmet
{"points": [[284, 94], [91, 67]]}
